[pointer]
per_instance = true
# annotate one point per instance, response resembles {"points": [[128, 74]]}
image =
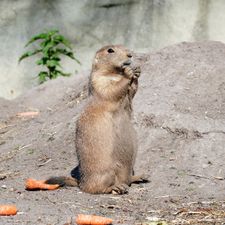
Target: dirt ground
{"points": [[180, 119]]}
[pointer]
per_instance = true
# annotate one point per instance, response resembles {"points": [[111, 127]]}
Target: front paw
{"points": [[137, 72], [128, 72], [132, 72]]}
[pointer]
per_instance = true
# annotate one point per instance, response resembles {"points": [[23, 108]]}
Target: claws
{"points": [[120, 189], [137, 71]]}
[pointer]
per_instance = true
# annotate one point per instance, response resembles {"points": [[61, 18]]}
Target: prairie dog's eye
{"points": [[110, 50]]}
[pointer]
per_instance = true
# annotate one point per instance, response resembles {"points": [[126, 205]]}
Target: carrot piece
{"points": [[92, 220], [8, 210], [27, 114], [32, 184]]}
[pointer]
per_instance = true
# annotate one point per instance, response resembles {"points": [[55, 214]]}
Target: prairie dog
{"points": [[106, 142]]}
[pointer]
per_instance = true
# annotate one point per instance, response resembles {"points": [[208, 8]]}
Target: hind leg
{"points": [[102, 184], [118, 189]]}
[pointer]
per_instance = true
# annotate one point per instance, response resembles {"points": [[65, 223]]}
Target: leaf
{"points": [[63, 74], [28, 54], [54, 74], [42, 76], [61, 39], [49, 42], [52, 32], [66, 74], [77, 60], [37, 37], [53, 63], [48, 46], [45, 42], [67, 53], [56, 58], [42, 61]]}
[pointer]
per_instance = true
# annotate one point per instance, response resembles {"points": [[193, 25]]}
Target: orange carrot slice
{"points": [[92, 220], [32, 184], [8, 210], [27, 114]]}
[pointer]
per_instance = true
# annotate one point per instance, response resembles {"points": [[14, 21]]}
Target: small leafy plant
{"points": [[51, 47]]}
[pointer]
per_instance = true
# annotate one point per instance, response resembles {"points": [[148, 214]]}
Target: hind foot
{"points": [[119, 189]]}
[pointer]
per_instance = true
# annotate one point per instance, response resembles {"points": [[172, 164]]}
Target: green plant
{"points": [[51, 47]]}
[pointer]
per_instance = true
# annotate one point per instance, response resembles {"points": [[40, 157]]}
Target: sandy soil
{"points": [[180, 119]]}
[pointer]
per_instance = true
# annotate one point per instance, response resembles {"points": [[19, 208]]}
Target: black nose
{"points": [[129, 55]]}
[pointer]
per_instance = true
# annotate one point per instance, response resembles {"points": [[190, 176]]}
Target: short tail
{"points": [[63, 181]]}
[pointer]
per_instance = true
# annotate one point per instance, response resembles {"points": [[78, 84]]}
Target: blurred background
{"points": [[141, 25]]}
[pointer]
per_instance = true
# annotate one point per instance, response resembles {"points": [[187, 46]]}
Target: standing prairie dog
{"points": [[106, 142]]}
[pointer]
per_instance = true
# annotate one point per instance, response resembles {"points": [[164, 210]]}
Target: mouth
{"points": [[127, 63]]}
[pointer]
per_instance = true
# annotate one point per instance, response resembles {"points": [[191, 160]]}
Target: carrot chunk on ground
{"points": [[92, 220], [8, 210], [32, 184]]}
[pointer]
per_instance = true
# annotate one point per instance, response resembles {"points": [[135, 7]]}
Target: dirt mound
{"points": [[180, 119]]}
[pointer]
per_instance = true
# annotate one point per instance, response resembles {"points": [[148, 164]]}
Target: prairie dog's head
{"points": [[111, 58]]}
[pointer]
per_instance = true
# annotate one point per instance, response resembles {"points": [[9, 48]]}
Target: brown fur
{"points": [[106, 141]]}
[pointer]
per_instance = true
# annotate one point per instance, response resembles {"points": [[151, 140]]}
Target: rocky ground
{"points": [[180, 119]]}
